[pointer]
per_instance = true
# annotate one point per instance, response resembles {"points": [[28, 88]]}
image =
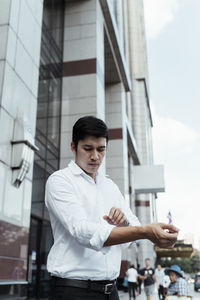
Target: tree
{"points": [[184, 263], [195, 260], [188, 265]]}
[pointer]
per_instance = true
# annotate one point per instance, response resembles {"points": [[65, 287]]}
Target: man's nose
{"points": [[94, 155]]}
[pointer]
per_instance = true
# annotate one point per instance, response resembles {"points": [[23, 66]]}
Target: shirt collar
{"points": [[76, 170]]}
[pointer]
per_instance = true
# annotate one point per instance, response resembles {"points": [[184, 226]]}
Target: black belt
{"points": [[103, 286]]}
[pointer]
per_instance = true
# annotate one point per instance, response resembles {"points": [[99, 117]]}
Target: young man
{"points": [[178, 285], [159, 273], [90, 221], [147, 275]]}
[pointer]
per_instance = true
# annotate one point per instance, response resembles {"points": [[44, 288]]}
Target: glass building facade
{"points": [[48, 141]]}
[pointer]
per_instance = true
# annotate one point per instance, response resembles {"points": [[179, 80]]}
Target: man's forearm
{"points": [[163, 235], [120, 235]]}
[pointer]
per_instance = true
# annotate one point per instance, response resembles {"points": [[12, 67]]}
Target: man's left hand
{"points": [[116, 217]]}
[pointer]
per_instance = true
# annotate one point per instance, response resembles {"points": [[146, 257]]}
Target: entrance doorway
{"points": [[40, 243]]}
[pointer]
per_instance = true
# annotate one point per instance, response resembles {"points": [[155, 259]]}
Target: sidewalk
{"points": [[125, 296]]}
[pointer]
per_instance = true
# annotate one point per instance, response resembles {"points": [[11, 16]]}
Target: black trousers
{"points": [[161, 292], [132, 286], [139, 285], [74, 293]]}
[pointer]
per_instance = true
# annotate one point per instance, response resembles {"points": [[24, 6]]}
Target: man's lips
{"points": [[94, 165]]}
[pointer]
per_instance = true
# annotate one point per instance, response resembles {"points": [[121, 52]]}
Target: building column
{"points": [[117, 153], [83, 90], [20, 35]]}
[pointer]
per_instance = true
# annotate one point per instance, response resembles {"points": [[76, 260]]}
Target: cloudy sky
{"points": [[173, 40]]}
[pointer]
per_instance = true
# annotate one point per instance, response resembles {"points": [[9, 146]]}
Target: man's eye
{"points": [[101, 149], [87, 149]]}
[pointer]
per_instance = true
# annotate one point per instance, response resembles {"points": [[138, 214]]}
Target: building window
{"points": [[46, 160]]}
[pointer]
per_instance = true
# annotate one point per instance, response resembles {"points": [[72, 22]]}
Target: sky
{"points": [[173, 45]]}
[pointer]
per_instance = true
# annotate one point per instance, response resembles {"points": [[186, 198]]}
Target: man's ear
{"points": [[73, 148]]}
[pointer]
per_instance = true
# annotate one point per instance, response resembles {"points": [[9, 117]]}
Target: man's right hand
{"points": [[163, 235]]}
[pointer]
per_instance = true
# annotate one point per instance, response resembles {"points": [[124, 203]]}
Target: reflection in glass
{"points": [[13, 260], [40, 243], [46, 242], [49, 104], [13, 291], [33, 256], [53, 20], [46, 160], [54, 108]]}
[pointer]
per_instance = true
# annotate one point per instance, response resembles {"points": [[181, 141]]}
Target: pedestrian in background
{"points": [[178, 285], [132, 275], [125, 284], [148, 276], [159, 274]]}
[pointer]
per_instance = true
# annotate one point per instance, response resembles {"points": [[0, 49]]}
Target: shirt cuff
{"points": [[100, 237]]}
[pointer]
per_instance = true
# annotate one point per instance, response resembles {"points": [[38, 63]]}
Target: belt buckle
{"points": [[108, 288]]}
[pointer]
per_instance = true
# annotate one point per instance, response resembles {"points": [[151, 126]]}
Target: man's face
{"points": [[89, 154], [172, 276], [147, 263]]}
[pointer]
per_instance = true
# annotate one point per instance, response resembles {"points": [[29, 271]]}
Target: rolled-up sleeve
{"points": [[65, 210]]}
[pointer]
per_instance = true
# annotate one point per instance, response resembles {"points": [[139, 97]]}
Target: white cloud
{"points": [[174, 136], [158, 13], [177, 146]]}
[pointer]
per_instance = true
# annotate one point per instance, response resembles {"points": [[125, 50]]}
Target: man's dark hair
{"points": [[88, 125]]}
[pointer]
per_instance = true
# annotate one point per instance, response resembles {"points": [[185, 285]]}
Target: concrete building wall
{"points": [[83, 58], [116, 158], [20, 35]]}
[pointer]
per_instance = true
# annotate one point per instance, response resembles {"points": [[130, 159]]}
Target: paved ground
{"points": [[124, 296]]}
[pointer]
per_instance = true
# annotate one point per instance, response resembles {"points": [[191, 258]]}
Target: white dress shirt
{"points": [[132, 275], [76, 207], [159, 276]]}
